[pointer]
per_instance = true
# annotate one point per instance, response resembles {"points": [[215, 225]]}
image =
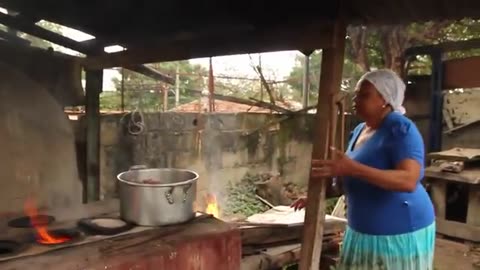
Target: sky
{"points": [[276, 65]]}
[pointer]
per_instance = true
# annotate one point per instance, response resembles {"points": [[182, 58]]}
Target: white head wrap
{"points": [[389, 85]]}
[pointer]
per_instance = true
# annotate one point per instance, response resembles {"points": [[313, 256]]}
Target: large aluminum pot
{"points": [[157, 197]]}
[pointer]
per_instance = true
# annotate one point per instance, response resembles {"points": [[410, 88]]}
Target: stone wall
{"points": [[222, 148]]}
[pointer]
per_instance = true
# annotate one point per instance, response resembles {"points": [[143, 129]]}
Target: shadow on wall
{"points": [[38, 154]]}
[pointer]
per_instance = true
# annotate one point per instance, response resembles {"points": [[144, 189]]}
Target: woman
{"points": [[391, 221]]}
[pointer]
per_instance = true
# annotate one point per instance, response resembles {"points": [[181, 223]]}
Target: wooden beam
{"points": [[251, 101], [152, 73], [8, 36], [448, 46], [330, 82], [313, 36], [30, 28], [93, 88], [461, 73], [90, 47]]}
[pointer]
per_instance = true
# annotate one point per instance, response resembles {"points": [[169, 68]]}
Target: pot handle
{"points": [[186, 189], [168, 195], [137, 167]]}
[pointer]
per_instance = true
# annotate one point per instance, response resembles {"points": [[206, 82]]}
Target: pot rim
{"points": [[159, 185]]}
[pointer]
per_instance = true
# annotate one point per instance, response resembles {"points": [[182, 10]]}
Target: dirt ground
{"points": [[450, 255]]}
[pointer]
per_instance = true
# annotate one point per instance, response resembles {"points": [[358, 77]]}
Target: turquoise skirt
{"points": [[410, 251]]}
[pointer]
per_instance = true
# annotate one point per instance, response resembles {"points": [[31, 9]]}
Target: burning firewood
{"points": [[42, 234], [212, 205]]}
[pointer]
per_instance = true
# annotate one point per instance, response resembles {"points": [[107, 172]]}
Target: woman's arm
{"points": [[403, 178], [405, 150]]}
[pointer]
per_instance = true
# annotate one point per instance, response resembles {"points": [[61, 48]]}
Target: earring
{"points": [[384, 105]]}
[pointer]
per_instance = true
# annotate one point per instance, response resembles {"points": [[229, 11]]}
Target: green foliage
{"points": [[241, 197], [382, 45], [330, 205], [243, 86], [351, 73], [145, 93]]}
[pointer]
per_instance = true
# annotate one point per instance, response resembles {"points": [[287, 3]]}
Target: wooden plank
{"points": [[461, 73], [467, 124], [152, 73], [261, 235], [473, 211], [339, 210], [457, 154], [93, 88], [448, 46], [330, 81], [458, 230], [250, 102], [439, 199], [468, 176], [280, 256], [253, 41]]}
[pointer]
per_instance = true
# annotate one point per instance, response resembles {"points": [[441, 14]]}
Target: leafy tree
{"points": [[351, 72], [383, 46], [242, 86], [370, 47], [145, 93]]}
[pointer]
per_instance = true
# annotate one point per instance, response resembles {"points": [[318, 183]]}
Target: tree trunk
{"points": [[394, 40], [358, 50]]}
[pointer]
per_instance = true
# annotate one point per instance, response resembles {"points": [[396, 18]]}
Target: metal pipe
{"points": [[435, 132]]}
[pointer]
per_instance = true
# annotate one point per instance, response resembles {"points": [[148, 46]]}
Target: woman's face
{"points": [[367, 102]]}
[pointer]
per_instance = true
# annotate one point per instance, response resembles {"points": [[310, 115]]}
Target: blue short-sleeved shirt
{"points": [[373, 210]]}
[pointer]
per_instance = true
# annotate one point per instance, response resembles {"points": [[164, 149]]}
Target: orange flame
{"points": [[43, 236], [212, 206]]}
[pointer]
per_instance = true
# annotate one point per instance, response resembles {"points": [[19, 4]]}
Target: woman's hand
{"points": [[299, 204], [340, 165]]}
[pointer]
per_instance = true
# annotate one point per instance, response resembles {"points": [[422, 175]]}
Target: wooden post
{"points": [[211, 88], [122, 91], [439, 199], [93, 88], [165, 98], [327, 113]]}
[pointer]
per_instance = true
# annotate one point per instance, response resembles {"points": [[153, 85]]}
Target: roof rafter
{"points": [[301, 37], [91, 48]]}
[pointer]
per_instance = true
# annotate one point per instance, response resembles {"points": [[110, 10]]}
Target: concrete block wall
{"points": [[217, 146]]}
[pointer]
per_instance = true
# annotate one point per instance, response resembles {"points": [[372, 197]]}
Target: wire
{"points": [[135, 126]]}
